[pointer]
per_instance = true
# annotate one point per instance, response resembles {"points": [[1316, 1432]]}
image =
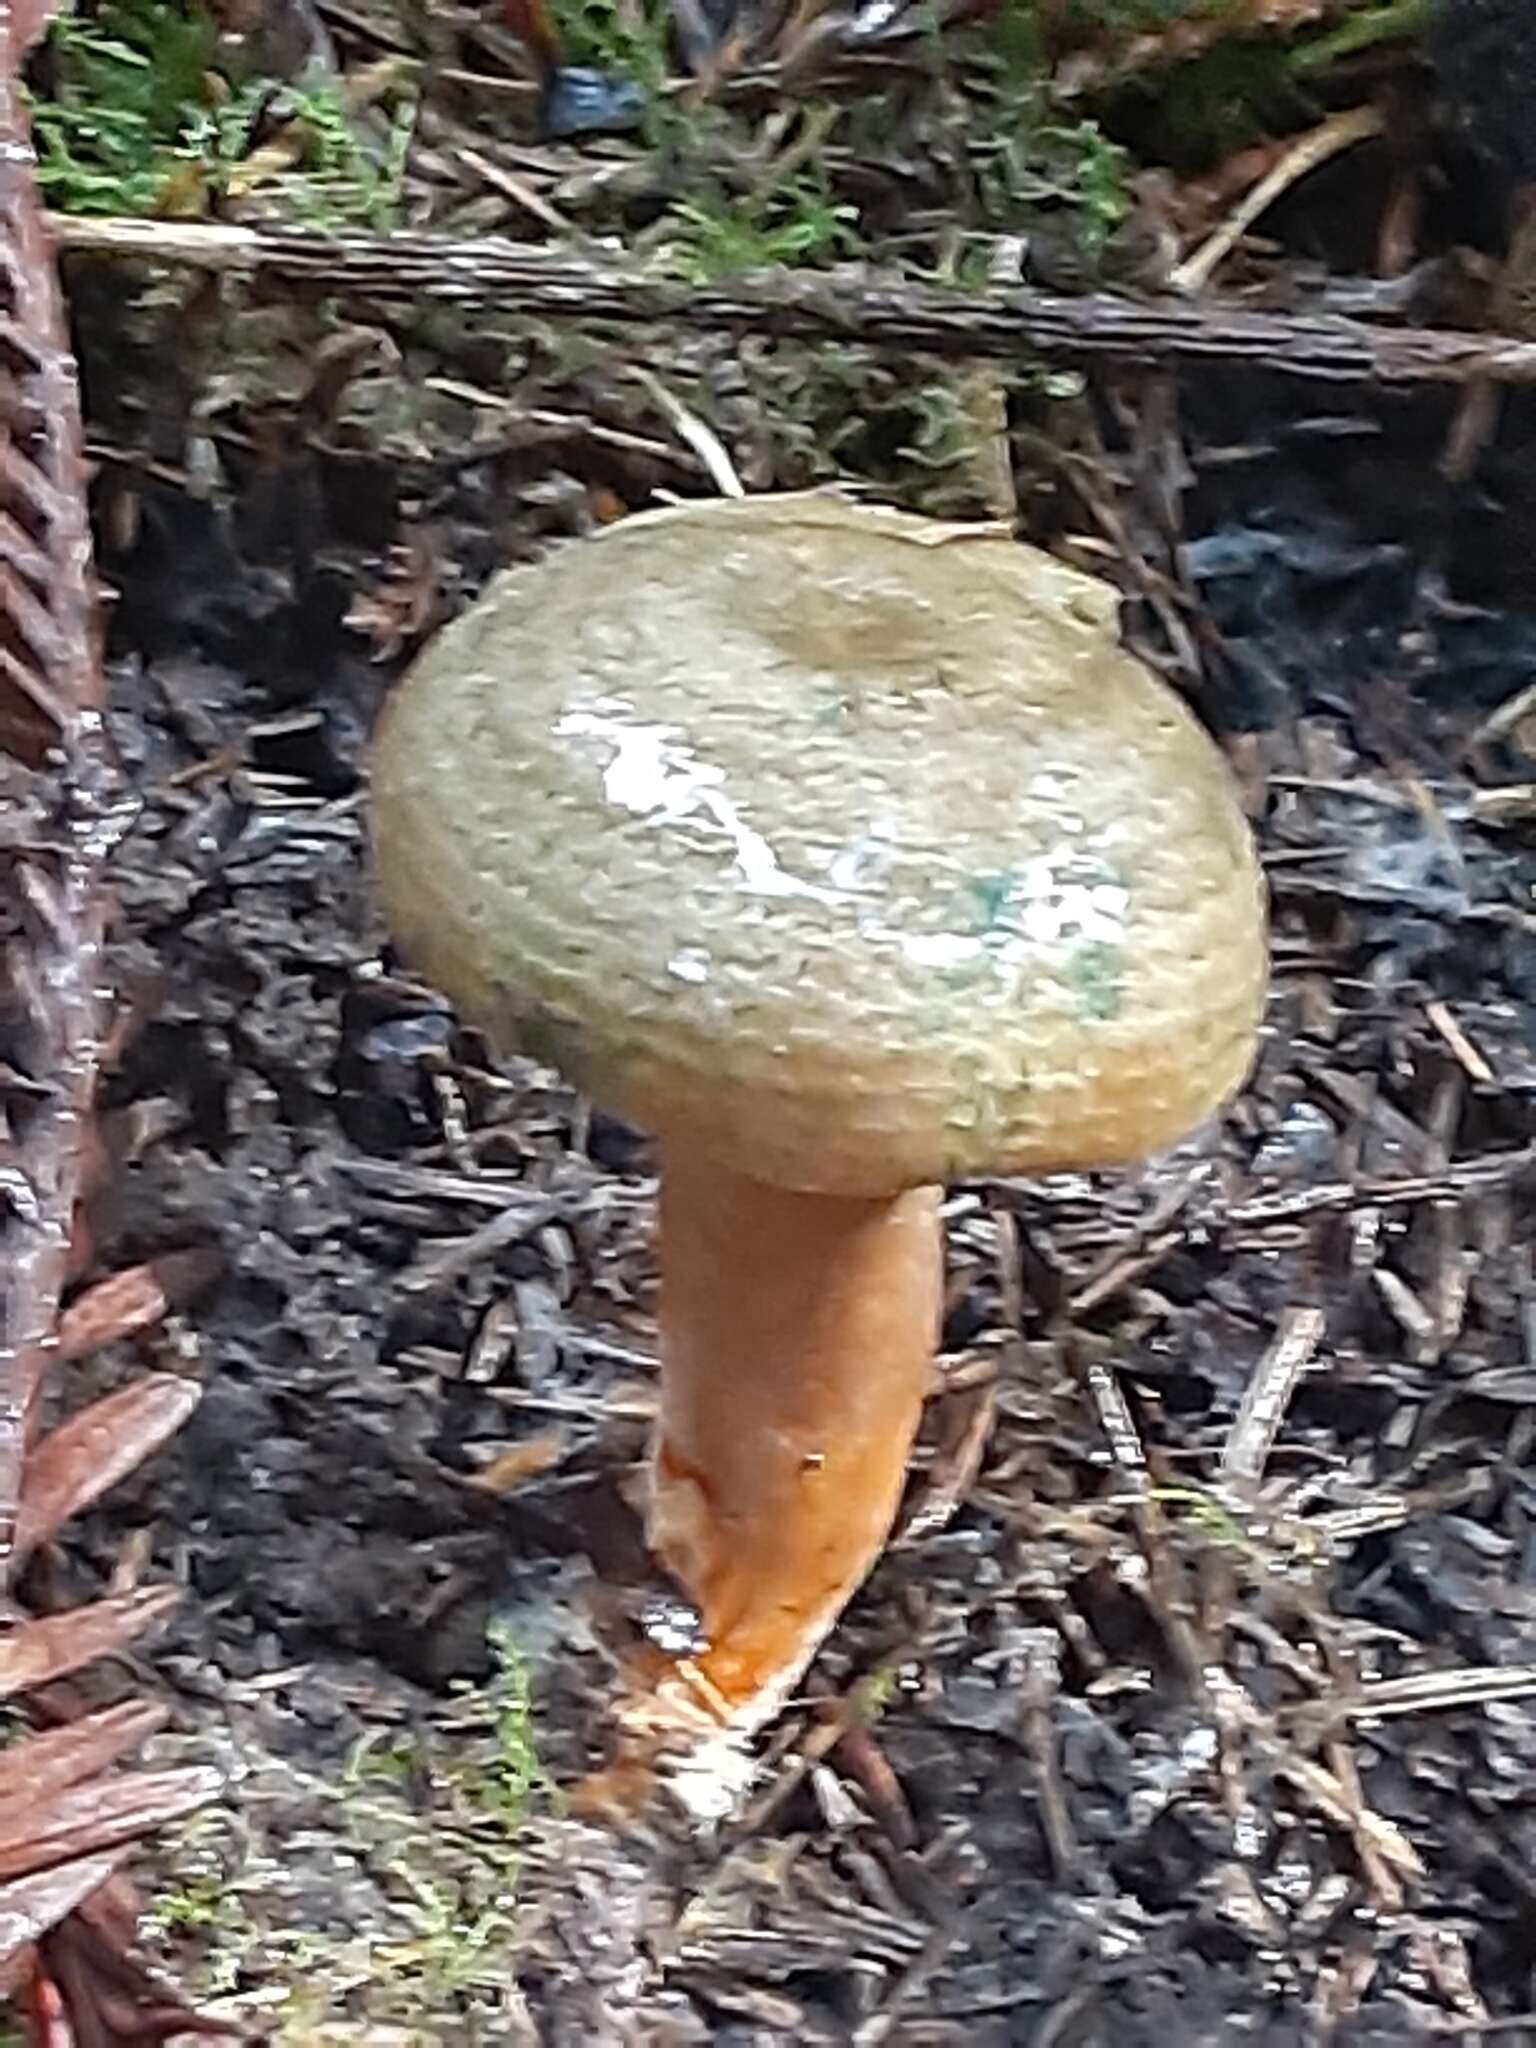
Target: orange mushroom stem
{"points": [[797, 1345]]}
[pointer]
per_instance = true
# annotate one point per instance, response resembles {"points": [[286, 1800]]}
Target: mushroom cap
{"points": [[847, 846]]}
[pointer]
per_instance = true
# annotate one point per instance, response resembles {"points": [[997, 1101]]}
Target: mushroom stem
{"points": [[797, 1342]]}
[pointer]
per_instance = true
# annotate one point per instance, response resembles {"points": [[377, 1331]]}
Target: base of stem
{"points": [[797, 1343]]}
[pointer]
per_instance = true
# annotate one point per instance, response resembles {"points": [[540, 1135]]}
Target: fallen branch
{"points": [[485, 274]]}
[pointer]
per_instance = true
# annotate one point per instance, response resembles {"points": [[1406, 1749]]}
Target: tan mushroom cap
{"points": [[847, 846]]}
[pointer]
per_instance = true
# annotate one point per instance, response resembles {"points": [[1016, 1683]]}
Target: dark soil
{"points": [[1126, 1784]]}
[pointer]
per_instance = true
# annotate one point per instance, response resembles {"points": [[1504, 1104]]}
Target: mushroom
{"points": [[850, 854]]}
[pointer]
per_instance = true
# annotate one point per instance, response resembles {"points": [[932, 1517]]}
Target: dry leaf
{"points": [[83, 1819], [29, 1906], [36, 1652], [87, 1455], [520, 1462], [133, 1300], [45, 1764]]}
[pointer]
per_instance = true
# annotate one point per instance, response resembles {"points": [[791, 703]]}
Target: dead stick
{"points": [[1340, 131], [51, 686], [488, 274]]}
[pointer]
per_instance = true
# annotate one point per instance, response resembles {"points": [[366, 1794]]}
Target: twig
{"points": [[815, 131], [859, 1757], [1503, 719], [1489, 1170], [1461, 1048], [518, 190], [1118, 1424], [1343, 1670], [1148, 1245], [956, 1469], [1042, 1682], [881, 2027], [1268, 1395], [438, 1269], [836, 1717], [489, 274], [1474, 1686], [1339, 132], [690, 429], [1384, 1881], [1375, 1837]]}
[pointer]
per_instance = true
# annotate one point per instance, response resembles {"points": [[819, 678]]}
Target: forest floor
{"points": [[1189, 1701]]}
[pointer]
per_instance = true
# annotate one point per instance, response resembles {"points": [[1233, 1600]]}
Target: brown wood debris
{"points": [[67, 1815]]}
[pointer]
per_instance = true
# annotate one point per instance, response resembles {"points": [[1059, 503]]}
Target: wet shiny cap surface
{"points": [[847, 845]]}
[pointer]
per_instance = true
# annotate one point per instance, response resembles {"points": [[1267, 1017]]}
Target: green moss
{"points": [[1029, 163], [796, 224], [875, 1692], [126, 89], [1097, 172], [425, 1835], [201, 1901], [1361, 29], [627, 38], [1195, 114], [511, 1774], [132, 117], [338, 179]]}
